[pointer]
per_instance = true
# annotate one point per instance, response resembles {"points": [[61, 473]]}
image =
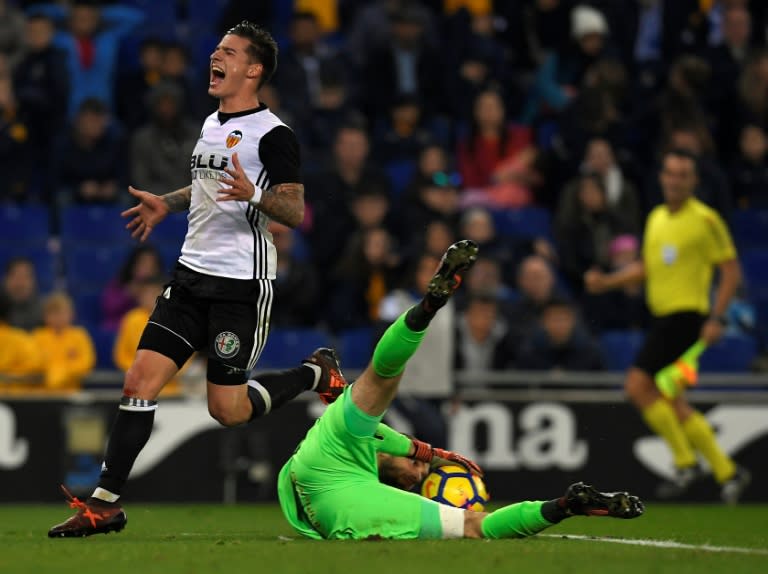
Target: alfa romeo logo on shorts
{"points": [[227, 345]]}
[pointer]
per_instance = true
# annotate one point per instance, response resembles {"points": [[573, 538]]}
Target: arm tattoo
{"points": [[179, 200], [284, 203]]}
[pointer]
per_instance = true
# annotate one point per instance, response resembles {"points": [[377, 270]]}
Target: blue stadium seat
{"points": [[619, 348], [524, 223], [43, 260], [29, 225], [171, 230], [87, 308], [89, 267], [731, 354], [160, 17], [287, 347], [355, 346], [104, 341], [203, 15], [400, 174], [102, 225], [200, 47], [169, 253], [755, 266], [750, 228]]}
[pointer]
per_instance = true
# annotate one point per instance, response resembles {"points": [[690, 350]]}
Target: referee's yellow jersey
{"points": [[680, 252]]}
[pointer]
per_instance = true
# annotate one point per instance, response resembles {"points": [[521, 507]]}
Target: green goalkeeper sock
{"points": [[515, 521], [396, 346]]}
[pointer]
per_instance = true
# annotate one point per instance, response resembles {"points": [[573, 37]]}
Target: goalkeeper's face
{"points": [[401, 472]]}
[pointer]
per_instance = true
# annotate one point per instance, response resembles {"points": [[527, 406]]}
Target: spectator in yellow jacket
{"points": [[21, 362], [68, 350], [132, 326]]}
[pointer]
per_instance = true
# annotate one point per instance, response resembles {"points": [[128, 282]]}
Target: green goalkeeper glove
{"points": [[683, 372], [438, 457]]}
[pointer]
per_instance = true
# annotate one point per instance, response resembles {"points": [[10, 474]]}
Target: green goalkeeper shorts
{"points": [[330, 487]]}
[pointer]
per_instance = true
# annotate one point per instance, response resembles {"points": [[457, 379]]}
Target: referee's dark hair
{"points": [[681, 152], [262, 47]]}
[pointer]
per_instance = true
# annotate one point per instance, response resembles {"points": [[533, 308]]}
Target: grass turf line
{"points": [[217, 539]]}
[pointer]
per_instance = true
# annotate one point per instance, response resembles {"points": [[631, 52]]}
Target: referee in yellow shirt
{"points": [[684, 241]]}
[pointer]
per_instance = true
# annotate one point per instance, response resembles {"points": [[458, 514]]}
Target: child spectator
{"points": [[20, 360], [118, 297], [20, 288], [133, 322], [67, 350], [146, 290]]}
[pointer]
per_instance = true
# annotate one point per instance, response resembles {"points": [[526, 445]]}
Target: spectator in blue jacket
{"points": [[91, 43]]}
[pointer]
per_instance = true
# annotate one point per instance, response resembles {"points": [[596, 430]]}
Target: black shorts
{"points": [[668, 337], [228, 319]]}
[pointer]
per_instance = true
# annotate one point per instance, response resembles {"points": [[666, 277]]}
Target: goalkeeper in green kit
{"points": [[349, 478]]}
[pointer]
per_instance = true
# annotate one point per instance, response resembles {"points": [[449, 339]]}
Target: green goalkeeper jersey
{"points": [[330, 487]]}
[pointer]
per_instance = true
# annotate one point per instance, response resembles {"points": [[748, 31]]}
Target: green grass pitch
{"points": [[254, 539]]}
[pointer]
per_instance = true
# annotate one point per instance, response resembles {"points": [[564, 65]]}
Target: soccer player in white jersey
{"points": [[245, 172]]}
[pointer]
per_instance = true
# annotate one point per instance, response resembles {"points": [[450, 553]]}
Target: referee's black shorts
{"points": [[228, 319], [668, 337]]}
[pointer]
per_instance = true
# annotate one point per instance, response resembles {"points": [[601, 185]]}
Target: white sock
{"points": [[318, 372], [105, 495]]}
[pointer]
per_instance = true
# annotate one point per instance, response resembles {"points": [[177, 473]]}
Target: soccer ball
{"points": [[455, 486]]}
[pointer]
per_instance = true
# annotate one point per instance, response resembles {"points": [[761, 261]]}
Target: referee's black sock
{"points": [[273, 390], [130, 432]]}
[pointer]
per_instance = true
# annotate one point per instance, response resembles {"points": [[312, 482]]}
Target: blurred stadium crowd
{"points": [[533, 127]]}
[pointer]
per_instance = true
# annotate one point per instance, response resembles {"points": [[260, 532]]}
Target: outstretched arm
{"points": [[152, 209]]}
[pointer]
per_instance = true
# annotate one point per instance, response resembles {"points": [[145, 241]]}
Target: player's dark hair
{"points": [[34, 16], [684, 153], [559, 302], [387, 473], [299, 15], [93, 106], [353, 121], [484, 297], [262, 47], [15, 261]]}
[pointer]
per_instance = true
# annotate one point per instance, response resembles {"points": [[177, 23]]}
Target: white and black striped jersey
{"points": [[230, 238]]}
